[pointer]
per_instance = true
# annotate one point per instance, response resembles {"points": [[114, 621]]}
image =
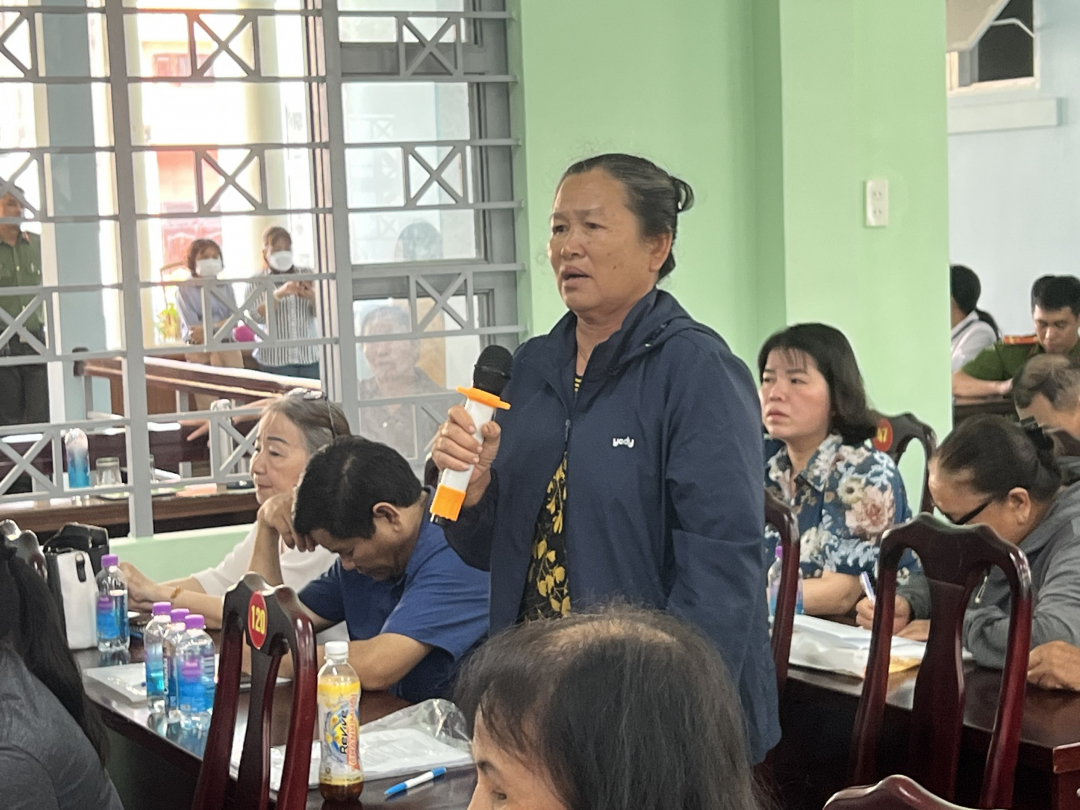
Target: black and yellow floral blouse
{"points": [[547, 594]]}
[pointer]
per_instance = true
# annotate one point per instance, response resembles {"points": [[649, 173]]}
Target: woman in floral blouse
{"points": [[819, 461]]}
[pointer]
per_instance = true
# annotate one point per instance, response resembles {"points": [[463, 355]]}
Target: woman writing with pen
{"points": [[997, 473]]}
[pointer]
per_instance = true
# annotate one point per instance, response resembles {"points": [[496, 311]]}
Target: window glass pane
{"points": [[414, 111], [415, 377], [412, 236], [384, 29]]}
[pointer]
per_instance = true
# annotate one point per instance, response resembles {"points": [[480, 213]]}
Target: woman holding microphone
{"points": [[629, 464]]}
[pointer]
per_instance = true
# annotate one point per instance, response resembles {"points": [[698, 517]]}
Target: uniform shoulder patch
{"points": [[1020, 340]]}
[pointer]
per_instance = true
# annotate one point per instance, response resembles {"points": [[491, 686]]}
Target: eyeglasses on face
{"points": [[970, 516]]}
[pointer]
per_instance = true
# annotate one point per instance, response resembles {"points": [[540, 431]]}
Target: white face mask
{"points": [[280, 260], [208, 268]]}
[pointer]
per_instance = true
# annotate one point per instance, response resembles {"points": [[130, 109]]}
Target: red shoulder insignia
{"points": [[1020, 340]]}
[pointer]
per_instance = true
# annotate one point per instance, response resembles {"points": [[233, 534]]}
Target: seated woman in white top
{"points": [[290, 431], [972, 329]]}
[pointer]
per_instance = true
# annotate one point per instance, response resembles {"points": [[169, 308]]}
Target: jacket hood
{"points": [[1062, 513], [653, 321]]}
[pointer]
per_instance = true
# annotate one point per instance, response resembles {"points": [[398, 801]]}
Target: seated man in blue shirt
{"points": [[412, 607]]}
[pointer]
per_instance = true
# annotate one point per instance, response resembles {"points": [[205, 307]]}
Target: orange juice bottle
{"points": [[341, 776]]}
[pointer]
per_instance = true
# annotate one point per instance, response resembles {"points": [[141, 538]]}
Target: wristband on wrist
{"points": [[175, 593]]}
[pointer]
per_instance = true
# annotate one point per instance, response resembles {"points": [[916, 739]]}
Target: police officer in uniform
{"points": [[1055, 305], [24, 390]]}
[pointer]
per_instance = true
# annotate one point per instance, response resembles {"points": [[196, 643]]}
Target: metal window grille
{"points": [[389, 161]]}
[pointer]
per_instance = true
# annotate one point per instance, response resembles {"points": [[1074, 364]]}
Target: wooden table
{"points": [[171, 513], [167, 761], [818, 710]]}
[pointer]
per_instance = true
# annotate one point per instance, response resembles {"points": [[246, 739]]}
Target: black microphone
{"points": [[490, 376]]}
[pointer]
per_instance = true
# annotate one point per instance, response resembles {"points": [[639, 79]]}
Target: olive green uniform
{"points": [[24, 391], [1002, 360]]}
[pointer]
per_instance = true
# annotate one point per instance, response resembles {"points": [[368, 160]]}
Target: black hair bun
{"points": [[684, 195]]}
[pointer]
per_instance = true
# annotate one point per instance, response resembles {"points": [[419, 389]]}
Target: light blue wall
{"points": [[1015, 195]]}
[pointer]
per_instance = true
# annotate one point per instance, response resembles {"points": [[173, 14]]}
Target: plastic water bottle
{"points": [[77, 449], [195, 675], [172, 636], [773, 579], [154, 658], [112, 618], [341, 777]]}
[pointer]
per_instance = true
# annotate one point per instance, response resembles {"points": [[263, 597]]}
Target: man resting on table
{"points": [[412, 607]]}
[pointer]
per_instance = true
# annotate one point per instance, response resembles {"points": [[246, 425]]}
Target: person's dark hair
{"points": [[344, 480], [1056, 292], [312, 416], [623, 708], [196, 247], [1055, 376], [30, 625], [999, 455], [655, 197], [835, 359], [965, 289]]}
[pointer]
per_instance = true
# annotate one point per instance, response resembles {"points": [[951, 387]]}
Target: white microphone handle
{"points": [[481, 414]]}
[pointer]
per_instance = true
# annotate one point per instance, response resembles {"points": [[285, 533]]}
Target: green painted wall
{"points": [[178, 554], [864, 97], [676, 85], [776, 111]]}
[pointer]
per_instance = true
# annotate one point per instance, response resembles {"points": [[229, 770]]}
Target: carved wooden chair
{"points": [[272, 622], [780, 518], [892, 793], [955, 560], [895, 433]]}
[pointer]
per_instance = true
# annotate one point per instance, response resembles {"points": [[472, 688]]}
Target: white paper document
{"points": [[383, 754]]}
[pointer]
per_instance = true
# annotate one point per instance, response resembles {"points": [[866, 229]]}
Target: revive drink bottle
{"points": [[341, 776]]}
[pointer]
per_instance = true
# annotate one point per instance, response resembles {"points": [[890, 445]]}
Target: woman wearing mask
{"points": [[204, 262], [994, 472], [53, 747], [294, 314]]}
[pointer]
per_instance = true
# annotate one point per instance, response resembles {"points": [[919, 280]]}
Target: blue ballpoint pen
{"points": [[401, 787], [867, 587]]}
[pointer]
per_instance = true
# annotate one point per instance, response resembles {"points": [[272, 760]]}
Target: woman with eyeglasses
{"points": [[291, 429], [997, 473]]}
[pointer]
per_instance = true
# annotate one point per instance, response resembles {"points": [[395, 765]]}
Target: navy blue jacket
{"points": [[664, 496]]}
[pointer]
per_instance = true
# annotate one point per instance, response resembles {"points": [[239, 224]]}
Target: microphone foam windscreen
{"points": [[492, 370]]}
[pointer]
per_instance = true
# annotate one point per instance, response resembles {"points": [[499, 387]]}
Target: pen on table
{"points": [[401, 787], [868, 588]]}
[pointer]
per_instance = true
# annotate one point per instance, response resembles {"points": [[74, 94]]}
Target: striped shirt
{"points": [[294, 318]]}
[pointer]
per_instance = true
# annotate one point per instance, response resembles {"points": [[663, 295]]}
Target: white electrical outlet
{"points": [[877, 203]]}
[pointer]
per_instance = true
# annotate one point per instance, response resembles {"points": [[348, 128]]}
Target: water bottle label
{"points": [[340, 763], [106, 619]]}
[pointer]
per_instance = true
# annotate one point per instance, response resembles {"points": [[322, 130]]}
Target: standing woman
{"points": [[294, 311], [972, 329], [204, 261], [629, 463]]}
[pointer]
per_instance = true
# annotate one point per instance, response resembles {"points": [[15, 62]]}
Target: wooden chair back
{"points": [[892, 793], [956, 560], [271, 622], [893, 436], [780, 518]]}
